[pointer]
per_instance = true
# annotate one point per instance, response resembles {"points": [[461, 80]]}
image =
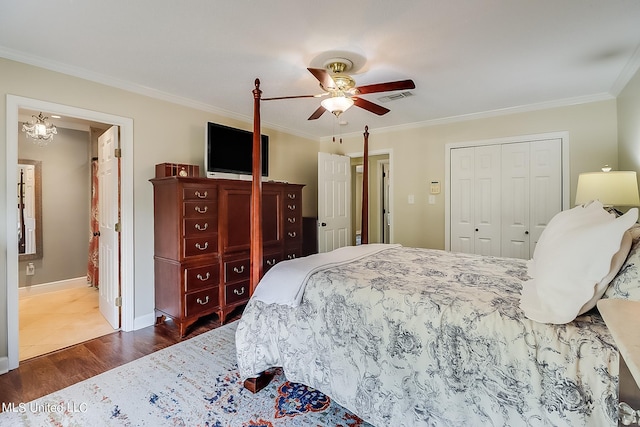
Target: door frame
{"points": [[389, 153], [566, 177], [14, 103]]}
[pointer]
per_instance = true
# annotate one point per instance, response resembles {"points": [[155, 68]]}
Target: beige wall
{"points": [[629, 125], [66, 203], [418, 157]]}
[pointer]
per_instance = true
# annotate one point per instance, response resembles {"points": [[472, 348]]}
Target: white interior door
{"points": [[462, 189], [546, 186], [515, 200], [487, 200], [108, 208], [334, 201]]}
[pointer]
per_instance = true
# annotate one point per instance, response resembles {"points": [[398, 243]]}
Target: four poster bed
{"points": [[408, 336]]}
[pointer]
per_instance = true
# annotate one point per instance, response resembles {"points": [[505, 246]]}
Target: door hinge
{"points": [[118, 152], [118, 302], [117, 227]]}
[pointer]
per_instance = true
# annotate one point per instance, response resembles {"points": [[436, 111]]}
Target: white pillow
{"points": [[572, 257], [616, 263]]}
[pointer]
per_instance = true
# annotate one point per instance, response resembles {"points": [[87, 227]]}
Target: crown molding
{"points": [[565, 102], [138, 89]]}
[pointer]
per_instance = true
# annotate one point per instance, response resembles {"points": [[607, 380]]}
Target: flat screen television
{"points": [[229, 152]]}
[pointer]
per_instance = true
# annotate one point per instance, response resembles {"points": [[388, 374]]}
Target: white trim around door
{"points": [[14, 103]]}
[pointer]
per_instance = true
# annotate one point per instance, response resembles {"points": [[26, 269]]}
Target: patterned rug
{"points": [[192, 383]]}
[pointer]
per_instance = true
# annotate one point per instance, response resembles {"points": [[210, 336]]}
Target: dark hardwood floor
{"points": [[45, 374]]}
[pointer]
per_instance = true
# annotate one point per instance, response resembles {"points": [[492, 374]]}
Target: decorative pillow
{"points": [[572, 257], [626, 284]]}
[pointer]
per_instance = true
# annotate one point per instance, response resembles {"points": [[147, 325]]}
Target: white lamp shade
{"points": [[619, 188], [337, 104]]}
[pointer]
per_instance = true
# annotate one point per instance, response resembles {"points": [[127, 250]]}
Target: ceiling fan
{"points": [[342, 91]]}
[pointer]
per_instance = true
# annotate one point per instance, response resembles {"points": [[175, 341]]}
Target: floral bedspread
{"points": [[420, 337]]}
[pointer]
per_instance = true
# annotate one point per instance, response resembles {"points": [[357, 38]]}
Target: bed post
{"points": [[258, 383], [365, 190], [256, 195]]}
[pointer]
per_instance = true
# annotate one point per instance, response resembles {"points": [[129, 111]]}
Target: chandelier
{"points": [[40, 129]]}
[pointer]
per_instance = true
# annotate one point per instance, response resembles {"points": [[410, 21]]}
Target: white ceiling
{"points": [[468, 58]]}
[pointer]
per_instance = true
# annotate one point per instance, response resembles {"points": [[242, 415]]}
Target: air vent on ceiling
{"points": [[395, 96]]}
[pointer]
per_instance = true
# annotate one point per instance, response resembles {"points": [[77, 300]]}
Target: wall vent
{"points": [[395, 96]]}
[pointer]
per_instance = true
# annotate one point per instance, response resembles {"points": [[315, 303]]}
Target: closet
{"points": [[502, 195]]}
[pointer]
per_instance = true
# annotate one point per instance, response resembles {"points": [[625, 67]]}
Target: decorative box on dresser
{"points": [[202, 240]]}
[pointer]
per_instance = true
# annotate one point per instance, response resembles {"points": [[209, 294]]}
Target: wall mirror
{"points": [[29, 209]]}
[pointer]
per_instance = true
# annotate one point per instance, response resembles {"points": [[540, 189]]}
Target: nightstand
{"points": [[622, 318]]}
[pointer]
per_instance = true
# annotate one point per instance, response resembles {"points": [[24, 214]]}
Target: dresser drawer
{"points": [[200, 209], [292, 253], [199, 302], [236, 292], [270, 260], [236, 270], [199, 226], [201, 277], [194, 246], [199, 192]]}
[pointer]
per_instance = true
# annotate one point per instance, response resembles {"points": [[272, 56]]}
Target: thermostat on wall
{"points": [[435, 187]]}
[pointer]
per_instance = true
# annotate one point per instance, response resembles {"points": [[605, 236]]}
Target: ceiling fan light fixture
{"points": [[337, 105]]}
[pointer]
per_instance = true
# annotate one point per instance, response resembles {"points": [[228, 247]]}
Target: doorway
{"points": [[58, 292], [14, 104], [380, 196]]}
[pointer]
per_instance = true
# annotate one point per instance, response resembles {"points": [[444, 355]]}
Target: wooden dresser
{"points": [[202, 237]]}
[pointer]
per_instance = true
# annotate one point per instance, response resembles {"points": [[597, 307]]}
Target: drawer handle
{"points": [[291, 196], [292, 207], [206, 301], [239, 270], [292, 234], [200, 210], [291, 256], [271, 262], [199, 276], [202, 227], [200, 195], [239, 292], [291, 220], [202, 248]]}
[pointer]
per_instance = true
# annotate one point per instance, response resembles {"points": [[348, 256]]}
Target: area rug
{"points": [[192, 383]]}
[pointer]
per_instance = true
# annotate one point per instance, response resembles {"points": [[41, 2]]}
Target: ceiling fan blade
{"points": [[323, 77], [291, 97], [385, 87], [370, 106], [316, 114]]}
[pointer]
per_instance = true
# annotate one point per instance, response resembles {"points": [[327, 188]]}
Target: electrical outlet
{"points": [[31, 269]]}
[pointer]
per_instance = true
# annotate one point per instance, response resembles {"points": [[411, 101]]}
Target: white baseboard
{"points": [[4, 365], [144, 321], [78, 282]]}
